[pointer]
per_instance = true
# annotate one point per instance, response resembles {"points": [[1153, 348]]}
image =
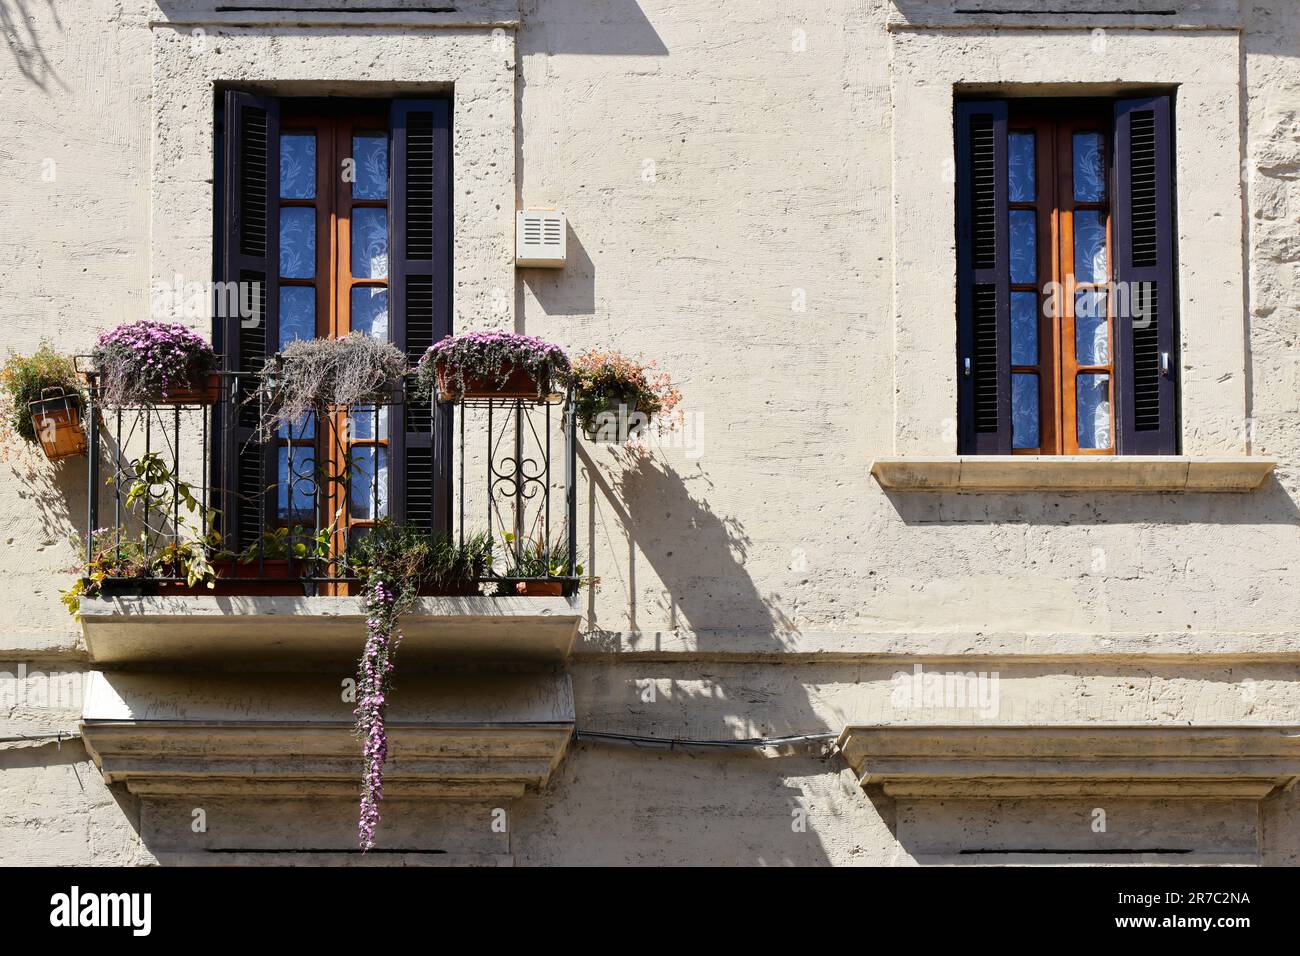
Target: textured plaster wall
{"points": [[743, 207]]}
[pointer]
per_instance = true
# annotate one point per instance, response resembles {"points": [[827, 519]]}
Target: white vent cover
{"points": [[540, 238]]}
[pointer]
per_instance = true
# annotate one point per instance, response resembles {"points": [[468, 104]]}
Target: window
{"points": [[1065, 277], [340, 211]]}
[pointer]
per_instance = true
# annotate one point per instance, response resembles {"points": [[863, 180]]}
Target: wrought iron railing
{"points": [[277, 513]]}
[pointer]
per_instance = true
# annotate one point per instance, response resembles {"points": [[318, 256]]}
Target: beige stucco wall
{"points": [[721, 164]]}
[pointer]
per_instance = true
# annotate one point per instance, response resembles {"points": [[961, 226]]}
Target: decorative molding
{"points": [[1121, 473], [1064, 14], [463, 736], [428, 14], [973, 762]]}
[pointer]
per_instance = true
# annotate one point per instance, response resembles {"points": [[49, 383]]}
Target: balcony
{"points": [[277, 520]]}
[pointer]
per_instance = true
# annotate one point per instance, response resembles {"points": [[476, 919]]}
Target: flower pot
{"points": [[529, 588], [206, 391], [614, 423], [56, 419], [519, 383], [269, 578]]}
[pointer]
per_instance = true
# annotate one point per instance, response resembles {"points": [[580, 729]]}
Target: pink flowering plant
{"points": [[491, 357], [615, 395], [143, 361]]}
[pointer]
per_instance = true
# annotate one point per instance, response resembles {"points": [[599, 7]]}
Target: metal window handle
{"points": [[966, 366], [1164, 364]]}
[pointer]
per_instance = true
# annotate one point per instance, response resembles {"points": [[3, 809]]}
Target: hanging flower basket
{"points": [[616, 396], [56, 419], [492, 365]]}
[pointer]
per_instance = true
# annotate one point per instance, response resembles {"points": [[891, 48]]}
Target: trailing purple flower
{"points": [[383, 603]]}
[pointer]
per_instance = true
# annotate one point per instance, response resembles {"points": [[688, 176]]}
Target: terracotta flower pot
{"points": [[206, 391], [56, 419], [270, 578], [524, 588], [520, 383]]}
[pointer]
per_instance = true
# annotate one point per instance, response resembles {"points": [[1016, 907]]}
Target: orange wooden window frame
{"points": [[334, 127], [1058, 368]]}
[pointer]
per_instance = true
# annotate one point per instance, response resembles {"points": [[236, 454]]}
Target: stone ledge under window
{"points": [[1126, 473], [970, 762], [260, 631]]}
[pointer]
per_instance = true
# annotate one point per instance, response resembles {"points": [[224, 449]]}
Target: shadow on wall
{"points": [[590, 28], [17, 19], [567, 291], [1268, 505]]}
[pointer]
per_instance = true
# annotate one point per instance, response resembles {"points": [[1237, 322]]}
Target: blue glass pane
{"points": [[1024, 328], [362, 488], [1089, 167], [1091, 330], [1021, 185], [1024, 410], [297, 313], [296, 484], [297, 242], [1024, 245], [371, 155], [364, 422], [298, 166], [369, 243], [1093, 410], [1089, 246], [370, 311], [303, 429]]}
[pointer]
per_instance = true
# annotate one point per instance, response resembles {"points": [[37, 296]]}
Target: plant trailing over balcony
{"points": [[395, 561], [492, 364], [41, 403], [615, 396], [144, 362], [314, 375]]}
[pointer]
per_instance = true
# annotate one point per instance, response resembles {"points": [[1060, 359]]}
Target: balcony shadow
{"points": [[17, 20]]}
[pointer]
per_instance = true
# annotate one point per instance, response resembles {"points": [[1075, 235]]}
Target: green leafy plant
{"points": [[535, 560], [22, 380], [150, 553], [411, 553]]}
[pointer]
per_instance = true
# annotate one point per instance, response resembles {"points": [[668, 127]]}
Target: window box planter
{"points": [[532, 587], [518, 383], [205, 390], [56, 419]]}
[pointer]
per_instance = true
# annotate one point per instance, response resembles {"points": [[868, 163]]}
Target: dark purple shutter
{"points": [[420, 301], [983, 282], [250, 254], [1146, 395]]}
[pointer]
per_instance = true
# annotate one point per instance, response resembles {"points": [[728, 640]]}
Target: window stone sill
{"points": [[1127, 473]]}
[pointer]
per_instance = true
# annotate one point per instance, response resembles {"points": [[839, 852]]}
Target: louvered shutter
{"points": [[983, 282], [1146, 407], [420, 301], [250, 254]]}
